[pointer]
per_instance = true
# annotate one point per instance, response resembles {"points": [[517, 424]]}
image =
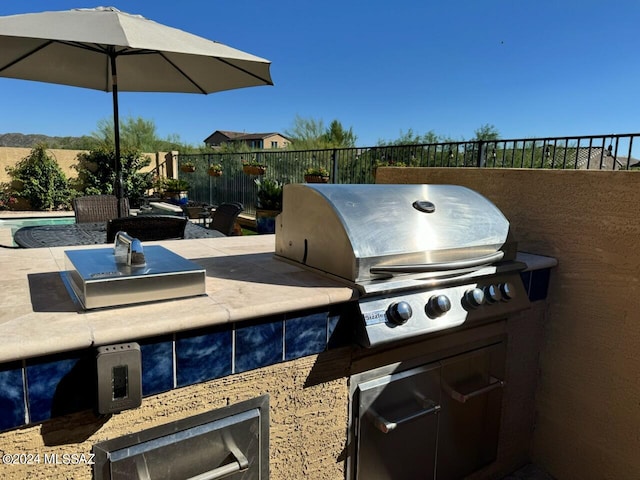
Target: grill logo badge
{"points": [[375, 317]]}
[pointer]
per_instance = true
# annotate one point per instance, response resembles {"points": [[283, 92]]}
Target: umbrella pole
{"points": [[119, 186]]}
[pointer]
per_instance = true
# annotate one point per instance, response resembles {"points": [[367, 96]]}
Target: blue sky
{"points": [[531, 69]]}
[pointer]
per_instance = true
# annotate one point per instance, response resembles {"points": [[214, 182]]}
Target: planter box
{"points": [[254, 169], [316, 178]]}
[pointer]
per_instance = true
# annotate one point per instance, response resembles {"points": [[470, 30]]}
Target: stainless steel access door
{"points": [[230, 443], [397, 425], [472, 385]]}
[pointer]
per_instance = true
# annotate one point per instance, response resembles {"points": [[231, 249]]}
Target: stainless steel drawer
{"points": [[230, 443]]}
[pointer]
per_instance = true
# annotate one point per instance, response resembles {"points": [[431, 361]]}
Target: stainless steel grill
{"points": [[424, 257]]}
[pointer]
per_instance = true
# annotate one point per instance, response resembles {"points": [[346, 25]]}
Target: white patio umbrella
{"points": [[105, 49]]}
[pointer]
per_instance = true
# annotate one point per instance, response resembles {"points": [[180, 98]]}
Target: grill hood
{"points": [[368, 232]]}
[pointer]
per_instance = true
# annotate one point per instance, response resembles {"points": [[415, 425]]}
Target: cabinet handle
{"points": [[385, 426], [239, 464], [462, 398]]}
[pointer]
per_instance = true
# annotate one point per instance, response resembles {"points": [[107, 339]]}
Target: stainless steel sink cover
{"points": [[97, 280]]}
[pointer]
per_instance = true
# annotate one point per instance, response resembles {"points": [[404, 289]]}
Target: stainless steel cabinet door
{"points": [[397, 427], [471, 408]]}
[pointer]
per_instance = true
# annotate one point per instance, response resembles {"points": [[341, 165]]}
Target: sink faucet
{"points": [[128, 250]]}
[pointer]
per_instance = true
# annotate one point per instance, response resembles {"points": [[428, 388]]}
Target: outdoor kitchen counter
{"points": [[243, 281]]}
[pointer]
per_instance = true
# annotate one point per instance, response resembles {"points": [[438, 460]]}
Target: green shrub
{"points": [[96, 173], [39, 179]]}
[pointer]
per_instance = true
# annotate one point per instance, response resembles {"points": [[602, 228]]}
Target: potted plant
{"points": [[173, 189], [268, 204], [215, 170], [316, 175], [188, 167], [253, 167]]}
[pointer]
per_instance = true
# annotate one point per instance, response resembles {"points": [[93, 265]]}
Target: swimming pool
{"points": [[9, 226], [33, 221]]}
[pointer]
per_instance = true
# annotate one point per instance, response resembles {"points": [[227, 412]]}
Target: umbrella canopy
{"points": [[106, 49]]}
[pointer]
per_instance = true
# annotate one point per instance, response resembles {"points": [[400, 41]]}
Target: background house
{"points": [[253, 140], [598, 158]]}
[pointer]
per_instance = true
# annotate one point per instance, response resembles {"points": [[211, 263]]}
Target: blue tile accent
{"points": [[65, 383], [12, 410], [305, 335], [157, 365], [258, 344], [43, 380], [204, 356], [539, 284]]}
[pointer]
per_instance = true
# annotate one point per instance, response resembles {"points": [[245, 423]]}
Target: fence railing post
{"points": [[482, 160], [334, 166]]}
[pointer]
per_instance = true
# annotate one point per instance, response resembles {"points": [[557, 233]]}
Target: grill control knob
{"points": [[507, 290], [437, 306], [492, 294], [399, 312], [474, 298]]}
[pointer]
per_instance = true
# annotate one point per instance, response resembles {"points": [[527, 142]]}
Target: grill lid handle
{"points": [[438, 267]]}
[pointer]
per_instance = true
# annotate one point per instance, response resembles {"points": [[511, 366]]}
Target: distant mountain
{"points": [[32, 139]]}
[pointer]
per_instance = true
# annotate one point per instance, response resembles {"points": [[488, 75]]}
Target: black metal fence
{"points": [[358, 165]]}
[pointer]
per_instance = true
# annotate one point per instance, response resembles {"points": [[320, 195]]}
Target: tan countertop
{"points": [[243, 281]]}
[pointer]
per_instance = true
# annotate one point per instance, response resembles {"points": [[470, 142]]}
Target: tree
{"points": [[411, 138], [306, 134], [487, 132], [337, 136], [96, 173], [135, 133], [311, 134]]}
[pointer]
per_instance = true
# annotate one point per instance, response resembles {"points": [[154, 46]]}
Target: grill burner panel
{"points": [[414, 313]]}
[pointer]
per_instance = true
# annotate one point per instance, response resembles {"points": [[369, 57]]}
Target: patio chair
{"points": [[224, 217], [98, 208], [148, 227]]}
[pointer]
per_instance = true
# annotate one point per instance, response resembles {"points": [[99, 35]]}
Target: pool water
{"points": [[30, 222], [9, 226]]}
